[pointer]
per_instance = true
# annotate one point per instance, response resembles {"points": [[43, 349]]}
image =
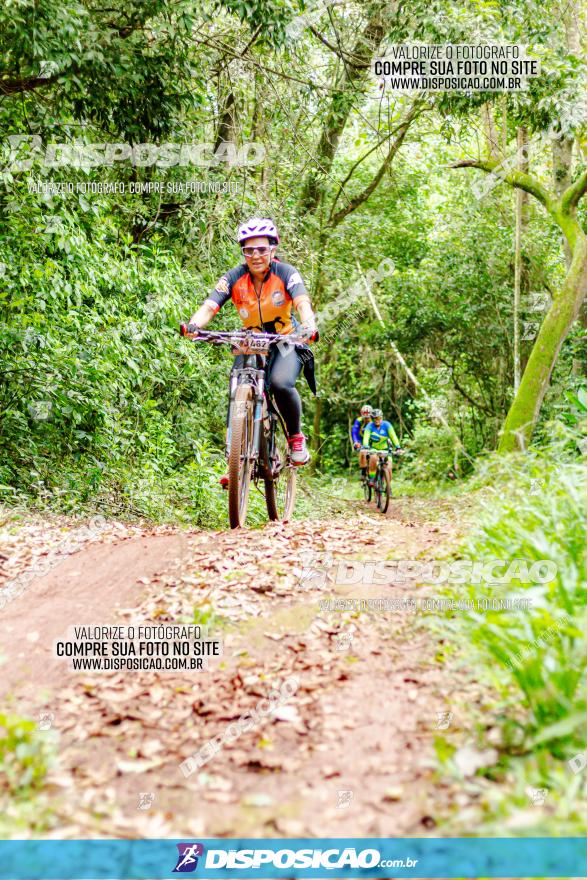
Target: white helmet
{"points": [[258, 226]]}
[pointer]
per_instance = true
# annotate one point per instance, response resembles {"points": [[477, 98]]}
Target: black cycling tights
{"points": [[283, 372]]}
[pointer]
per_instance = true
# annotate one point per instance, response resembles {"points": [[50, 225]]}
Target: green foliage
{"points": [[431, 454], [576, 414], [535, 512], [100, 402], [101, 399], [272, 17], [126, 67], [25, 754], [103, 405]]}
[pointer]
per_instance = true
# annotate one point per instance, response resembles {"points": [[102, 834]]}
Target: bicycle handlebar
{"points": [[253, 341], [391, 450]]}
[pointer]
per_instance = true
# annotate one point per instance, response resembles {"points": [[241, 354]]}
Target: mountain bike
{"points": [[367, 488], [382, 481], [256, 440]]}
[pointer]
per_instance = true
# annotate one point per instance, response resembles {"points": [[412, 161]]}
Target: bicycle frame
{"points": [[249, 373]]}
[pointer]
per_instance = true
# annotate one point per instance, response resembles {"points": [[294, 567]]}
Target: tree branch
{"points": [[342, 55], [351, 84], [480, 406], [27, 84], [218, 71], [223, 48], [357, 163], [335, 219], [30, 83], [514, 178], [571, 196]]}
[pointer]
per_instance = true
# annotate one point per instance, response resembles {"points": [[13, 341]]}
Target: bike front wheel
{"points": [[280, 488], [383, 490], [240, 456], [367, 489]]}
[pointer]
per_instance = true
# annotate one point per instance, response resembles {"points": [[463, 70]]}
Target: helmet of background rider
{"points": [[366, 410]]}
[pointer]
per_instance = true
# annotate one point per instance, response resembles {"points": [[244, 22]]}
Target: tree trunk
{"points": [[562, 148], [562, 164], [559, 319], [259, 132], [491, 134], [504, 125], [521, 200], [227, 122], [352, 82]]}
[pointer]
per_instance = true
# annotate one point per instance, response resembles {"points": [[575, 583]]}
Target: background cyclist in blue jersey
{"points": [[379, 435], [357, 432]]}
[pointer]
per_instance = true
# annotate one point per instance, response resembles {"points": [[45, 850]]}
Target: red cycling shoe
{"points": [[298, 450]]}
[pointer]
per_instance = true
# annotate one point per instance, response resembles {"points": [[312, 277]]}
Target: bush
{"points": [[102, 402]]}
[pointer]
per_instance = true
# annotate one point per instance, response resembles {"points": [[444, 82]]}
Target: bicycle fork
{"points": [[256, 379]]}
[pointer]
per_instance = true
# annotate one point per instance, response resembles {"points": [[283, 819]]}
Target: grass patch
{"points": [[532, 663]]}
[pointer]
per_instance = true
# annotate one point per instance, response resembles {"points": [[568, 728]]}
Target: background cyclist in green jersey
{"points": [[379, 435]]}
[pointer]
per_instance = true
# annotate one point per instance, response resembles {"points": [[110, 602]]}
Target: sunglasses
{"points": [[263, 250]]}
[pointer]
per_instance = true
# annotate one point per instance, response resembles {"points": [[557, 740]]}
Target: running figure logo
{"points": [[187, 861]]}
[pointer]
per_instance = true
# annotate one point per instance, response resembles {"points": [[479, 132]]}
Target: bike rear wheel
{"points": [[280, 490], [240, 456]]}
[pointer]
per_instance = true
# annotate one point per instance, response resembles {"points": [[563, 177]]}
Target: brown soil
{"points": [[350, 753]]}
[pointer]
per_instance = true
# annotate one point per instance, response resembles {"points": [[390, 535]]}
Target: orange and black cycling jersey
{"points": [[271, 309]]}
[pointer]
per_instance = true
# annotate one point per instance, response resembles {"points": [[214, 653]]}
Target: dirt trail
{"points": [[88, 587], [350, 753]]}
